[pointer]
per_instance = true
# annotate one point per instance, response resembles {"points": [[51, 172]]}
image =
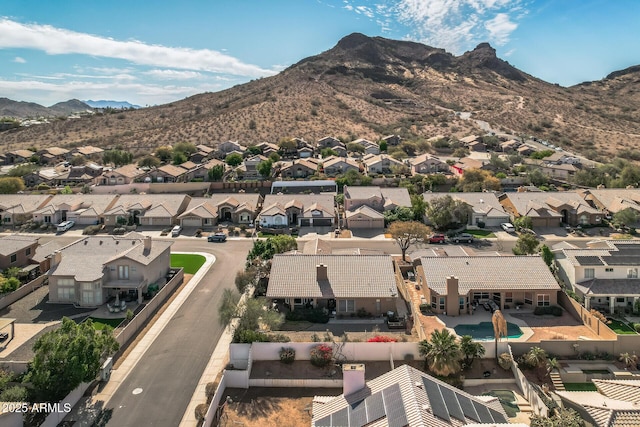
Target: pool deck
{"points": [[481, 315]]}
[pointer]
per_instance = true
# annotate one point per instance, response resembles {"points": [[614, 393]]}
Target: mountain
{"points": [[370, 87], [21, 109], [112, 104]]}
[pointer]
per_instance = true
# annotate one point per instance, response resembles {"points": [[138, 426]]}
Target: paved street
{"points": [[159, 388]]}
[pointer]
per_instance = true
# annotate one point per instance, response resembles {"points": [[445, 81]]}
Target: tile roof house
{"points": [[228, 147], [83, 209], [52, 155], [298, 169], [328, 142], [166, 173], [605, 275], [369, 147], [616, 403], [127, 207], [486, 207], [249, 167], [123, 175], [16, 251], [427, 163], [451, 284], [403, 397], [364, 217], [238, 208], [550, 209], [302, 210], [376, 199], [467, 163], [87, 151], [392, 139], [338, 165], [165, 209], [382, 164], [18, 156], [341, 283], [16, 209], [612, 200], [89, 271]]}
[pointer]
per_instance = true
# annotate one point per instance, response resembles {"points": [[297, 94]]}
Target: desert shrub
{"points": [[199, 232], [425, 308], [201, 411], [362, 313], [287, 355], [247, 336], [505, 361], [315, 338], [210, 390], [313, 315], [321, 355], [382, 338], [279, 338], [91, 230], [637, 327], [601, 317]]}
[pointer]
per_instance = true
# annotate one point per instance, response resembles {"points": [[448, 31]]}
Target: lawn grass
{"points": [[620, 328], [190, 263], [99, 324], [481, 233], [580, 387]]}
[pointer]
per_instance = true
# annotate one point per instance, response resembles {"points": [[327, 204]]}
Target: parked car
{"points": [[65, 225], [508, 227], [218, 237], [175, 231], [436, 238], [462, 237]]}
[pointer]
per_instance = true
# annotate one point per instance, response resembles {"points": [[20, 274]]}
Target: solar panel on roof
{"points": [[497, 416], [623, 260], [468, 408], [436, 401], [340, 418], [358, 416], [483, 412], [589, 260], [324, 422], [375, 407], [394, 406], [451, 398]]}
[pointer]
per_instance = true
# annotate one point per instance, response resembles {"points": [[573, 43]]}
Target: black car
{"points": [[462, 237], [218, 237]]}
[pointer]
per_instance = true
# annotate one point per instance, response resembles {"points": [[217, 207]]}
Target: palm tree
{"points": [[552, 364], [629, 360], [442, 354], [535, 357], [470, 349], [499, 327]]}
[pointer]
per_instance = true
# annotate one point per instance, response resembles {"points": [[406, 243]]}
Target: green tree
{"points": [[164, 153], [186, 148], [66, 357], [233, 159], [228, 307], [22, 170], [547, 255], [327, 152], [383, 145], [11, 185], [354, 147], [418, 207], [274, 157], [264, 168], [245, 278], [399, 213], [523, 222], [561, 418], [179, 157], [408, 233], [535, 357], [442, 353], [216, 173], [266, 249], [78, 161], [527, 244], [626, 216], [66, 190], [149, 162], [446, 212], [257, 315], [254, 150], [287, 146], [475, 180], [117, 157], [470, 349]]}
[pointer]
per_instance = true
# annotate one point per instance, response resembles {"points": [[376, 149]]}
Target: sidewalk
{"points": [[87, 409]]}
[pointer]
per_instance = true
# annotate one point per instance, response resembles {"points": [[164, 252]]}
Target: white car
{"points": [[175, 231], [65, 225], [508, 227]]}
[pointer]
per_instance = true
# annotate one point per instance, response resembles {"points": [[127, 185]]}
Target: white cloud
{"points": [[19, 60], [364, 10], [173, 74], [58, 41], [500, 28]]}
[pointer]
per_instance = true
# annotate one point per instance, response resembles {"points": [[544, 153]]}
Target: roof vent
{"points": [[133, 242], [100, 241], [117, 242], [86, 241], [418, 384]]}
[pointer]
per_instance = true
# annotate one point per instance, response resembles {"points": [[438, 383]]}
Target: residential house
{"points": [[369, 147], [509, 146], [16, 251], [364, 217], [16, 209], [268, 148], [612, 200], [340, 283], [204, 212], [90, 271], [467, 163], [83, 209], [477, 146], [427, 164], [86, 151], [485, 207], [615, 403], [228, 147], [470, 139], [305, 152], [81, 175], [18, 156], [550, 209], [165, 173], [525, 150], [605, 276], [204, 153], [378, 198], [120, 176], [328, 142], [382, 164], [298, 169], [249, 168], [127, 209], [562, 172], [339, 165], [404, 396], [302, 210], [52, 155], [42, 256], [392, 139], [451, 284], [165, 210]]}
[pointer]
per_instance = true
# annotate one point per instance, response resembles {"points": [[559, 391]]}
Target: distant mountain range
{"points": [[21, 109], [112, 104]]}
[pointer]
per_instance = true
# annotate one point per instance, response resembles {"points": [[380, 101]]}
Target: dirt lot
{"points": [[549, 327]]}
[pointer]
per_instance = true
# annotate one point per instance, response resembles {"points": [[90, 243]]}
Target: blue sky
{"points": [[156, 52]]}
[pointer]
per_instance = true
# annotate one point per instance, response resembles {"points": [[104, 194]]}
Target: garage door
{"points": [[366, 223], [191, 222], [322, 222], [305, 222]]}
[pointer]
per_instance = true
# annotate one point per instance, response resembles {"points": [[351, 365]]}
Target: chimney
{"points": [[352, 378], [321, 272], [452, 285], [56, 258], [453, 304], [147, 243]]}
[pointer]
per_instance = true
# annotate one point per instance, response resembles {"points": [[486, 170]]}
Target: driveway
{"points": [[159, 388]]}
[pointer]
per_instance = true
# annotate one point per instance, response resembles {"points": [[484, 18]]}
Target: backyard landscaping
{"points": [[480, 233], [620, 328], [99, 324], [580, 387], [191, 263]]}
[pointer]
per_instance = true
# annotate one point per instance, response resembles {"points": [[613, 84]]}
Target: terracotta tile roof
{"points": [[172, 170], [366, 276], [300, 200], [273, 209], [628, 390], [488, 272], [604, 411]]}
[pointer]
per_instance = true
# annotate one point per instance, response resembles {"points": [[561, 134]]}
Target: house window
{"points": [[528, 298], [543, 300], [14, 258], [47, 219], [433, 302], [508, 297], [442, 303], [480, 295], [461, 303], [609, 270], [346, 305], [27, 252], [632, 273], [621, 299], [207, 221], [66, 293], [589, 273], [133, 268], [123, 272], [6, 219]]}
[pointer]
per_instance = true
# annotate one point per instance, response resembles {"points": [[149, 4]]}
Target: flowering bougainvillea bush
{"points": [[321, 355], [382, 338]]}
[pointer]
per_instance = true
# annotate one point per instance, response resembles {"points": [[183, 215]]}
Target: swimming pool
{"points": [[484, 330]]}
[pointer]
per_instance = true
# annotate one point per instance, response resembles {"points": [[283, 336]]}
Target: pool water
{"points": [[484, 330]]}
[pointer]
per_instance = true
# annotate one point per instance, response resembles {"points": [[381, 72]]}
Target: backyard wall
{"points": [[565, 348], [353, 351], [22, 291], [55, 418], [527, 390], [583, 315]]}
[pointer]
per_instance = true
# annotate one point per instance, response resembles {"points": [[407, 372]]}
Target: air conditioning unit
{"points": [[105, 371]]}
